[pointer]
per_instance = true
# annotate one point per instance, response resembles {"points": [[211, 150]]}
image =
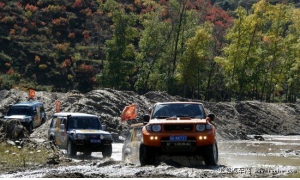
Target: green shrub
{"points": [[296, 175], [13, 156]]}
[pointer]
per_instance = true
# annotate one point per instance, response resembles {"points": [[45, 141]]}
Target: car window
{"points": [[161, 111], [53, 122], [64, 121], [84, 123], [178, 110], [193, 110], [20, 110]]}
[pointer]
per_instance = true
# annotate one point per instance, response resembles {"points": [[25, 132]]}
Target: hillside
{"points": [[234, 120], [59, 46]]}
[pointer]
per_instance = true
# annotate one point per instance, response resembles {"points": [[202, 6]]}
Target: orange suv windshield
{"points": [[162, 111]]}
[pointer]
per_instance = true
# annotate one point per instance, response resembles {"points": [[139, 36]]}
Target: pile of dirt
{"points": [[237, 120], [14, 134], [234, 120], [12, 129]]}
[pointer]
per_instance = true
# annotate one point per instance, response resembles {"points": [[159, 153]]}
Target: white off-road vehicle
{"points": [[80, 132]]}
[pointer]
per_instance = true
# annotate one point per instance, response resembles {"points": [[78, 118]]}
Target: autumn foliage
{"points": [[142, 46]]}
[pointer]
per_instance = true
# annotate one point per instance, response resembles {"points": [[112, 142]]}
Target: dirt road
{"points": [[276, 156]]}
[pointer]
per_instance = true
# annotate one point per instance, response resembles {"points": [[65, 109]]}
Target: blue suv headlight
{"points": [[79, 136]]}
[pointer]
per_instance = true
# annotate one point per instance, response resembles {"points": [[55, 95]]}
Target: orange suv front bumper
{"points": [[158, 139]]}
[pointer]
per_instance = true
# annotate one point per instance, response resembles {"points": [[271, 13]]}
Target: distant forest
{"points": [[222, 50]]}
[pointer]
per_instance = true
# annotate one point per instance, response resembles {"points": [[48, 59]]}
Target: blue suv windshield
{"points": [[20, 110]]}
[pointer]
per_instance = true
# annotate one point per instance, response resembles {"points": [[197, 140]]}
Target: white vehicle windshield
{"points": [[162, 111], [84, 123]]}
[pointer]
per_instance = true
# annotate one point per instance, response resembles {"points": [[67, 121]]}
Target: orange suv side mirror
{"points": [[211, 116], [146, 118]]}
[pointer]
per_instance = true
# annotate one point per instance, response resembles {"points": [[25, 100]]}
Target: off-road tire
{"points": [[71, 149], [29, 127], [146, 156], [52, 139], [107, 151], [211, 155]]}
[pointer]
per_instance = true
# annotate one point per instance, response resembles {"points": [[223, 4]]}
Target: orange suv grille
{"points": [[178, 127]]}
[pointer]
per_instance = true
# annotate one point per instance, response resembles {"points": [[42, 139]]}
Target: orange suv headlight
{"points": [[200, 127], [154, 127]]}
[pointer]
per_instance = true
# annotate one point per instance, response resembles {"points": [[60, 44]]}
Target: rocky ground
{"points": [[234, 120]]}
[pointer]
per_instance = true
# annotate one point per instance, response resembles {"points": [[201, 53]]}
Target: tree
{"points": [[255, 59], [235, 54], [222, 21], [120, 49], [291, 71], [193, 64], [153, 43], [273, 48]]}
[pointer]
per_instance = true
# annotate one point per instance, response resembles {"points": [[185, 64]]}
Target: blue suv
{"points": [[31, 114]]}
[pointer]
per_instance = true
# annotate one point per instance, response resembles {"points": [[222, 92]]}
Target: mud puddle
{"points": [[273, 150], [272, 157]]}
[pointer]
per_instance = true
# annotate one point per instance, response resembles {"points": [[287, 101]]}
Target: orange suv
{"points": [[175, 128]]}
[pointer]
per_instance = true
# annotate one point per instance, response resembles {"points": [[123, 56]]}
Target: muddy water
{"points": [[273, 150], [274, 156]]}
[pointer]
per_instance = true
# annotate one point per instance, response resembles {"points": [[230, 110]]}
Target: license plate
{"points": [[178, 138], [179, 144], [95, 140]]}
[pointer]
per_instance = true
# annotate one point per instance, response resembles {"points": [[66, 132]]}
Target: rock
{"points": [[13, 129], [290, 150], [258, 137], [11, 143], [53, 158]]}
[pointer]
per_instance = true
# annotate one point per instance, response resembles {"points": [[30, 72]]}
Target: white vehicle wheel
{"points": [[71, 149], [30, 127], [107, 151]]}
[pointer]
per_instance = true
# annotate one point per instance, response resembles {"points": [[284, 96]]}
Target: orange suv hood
{"points": [[179, 120]]}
